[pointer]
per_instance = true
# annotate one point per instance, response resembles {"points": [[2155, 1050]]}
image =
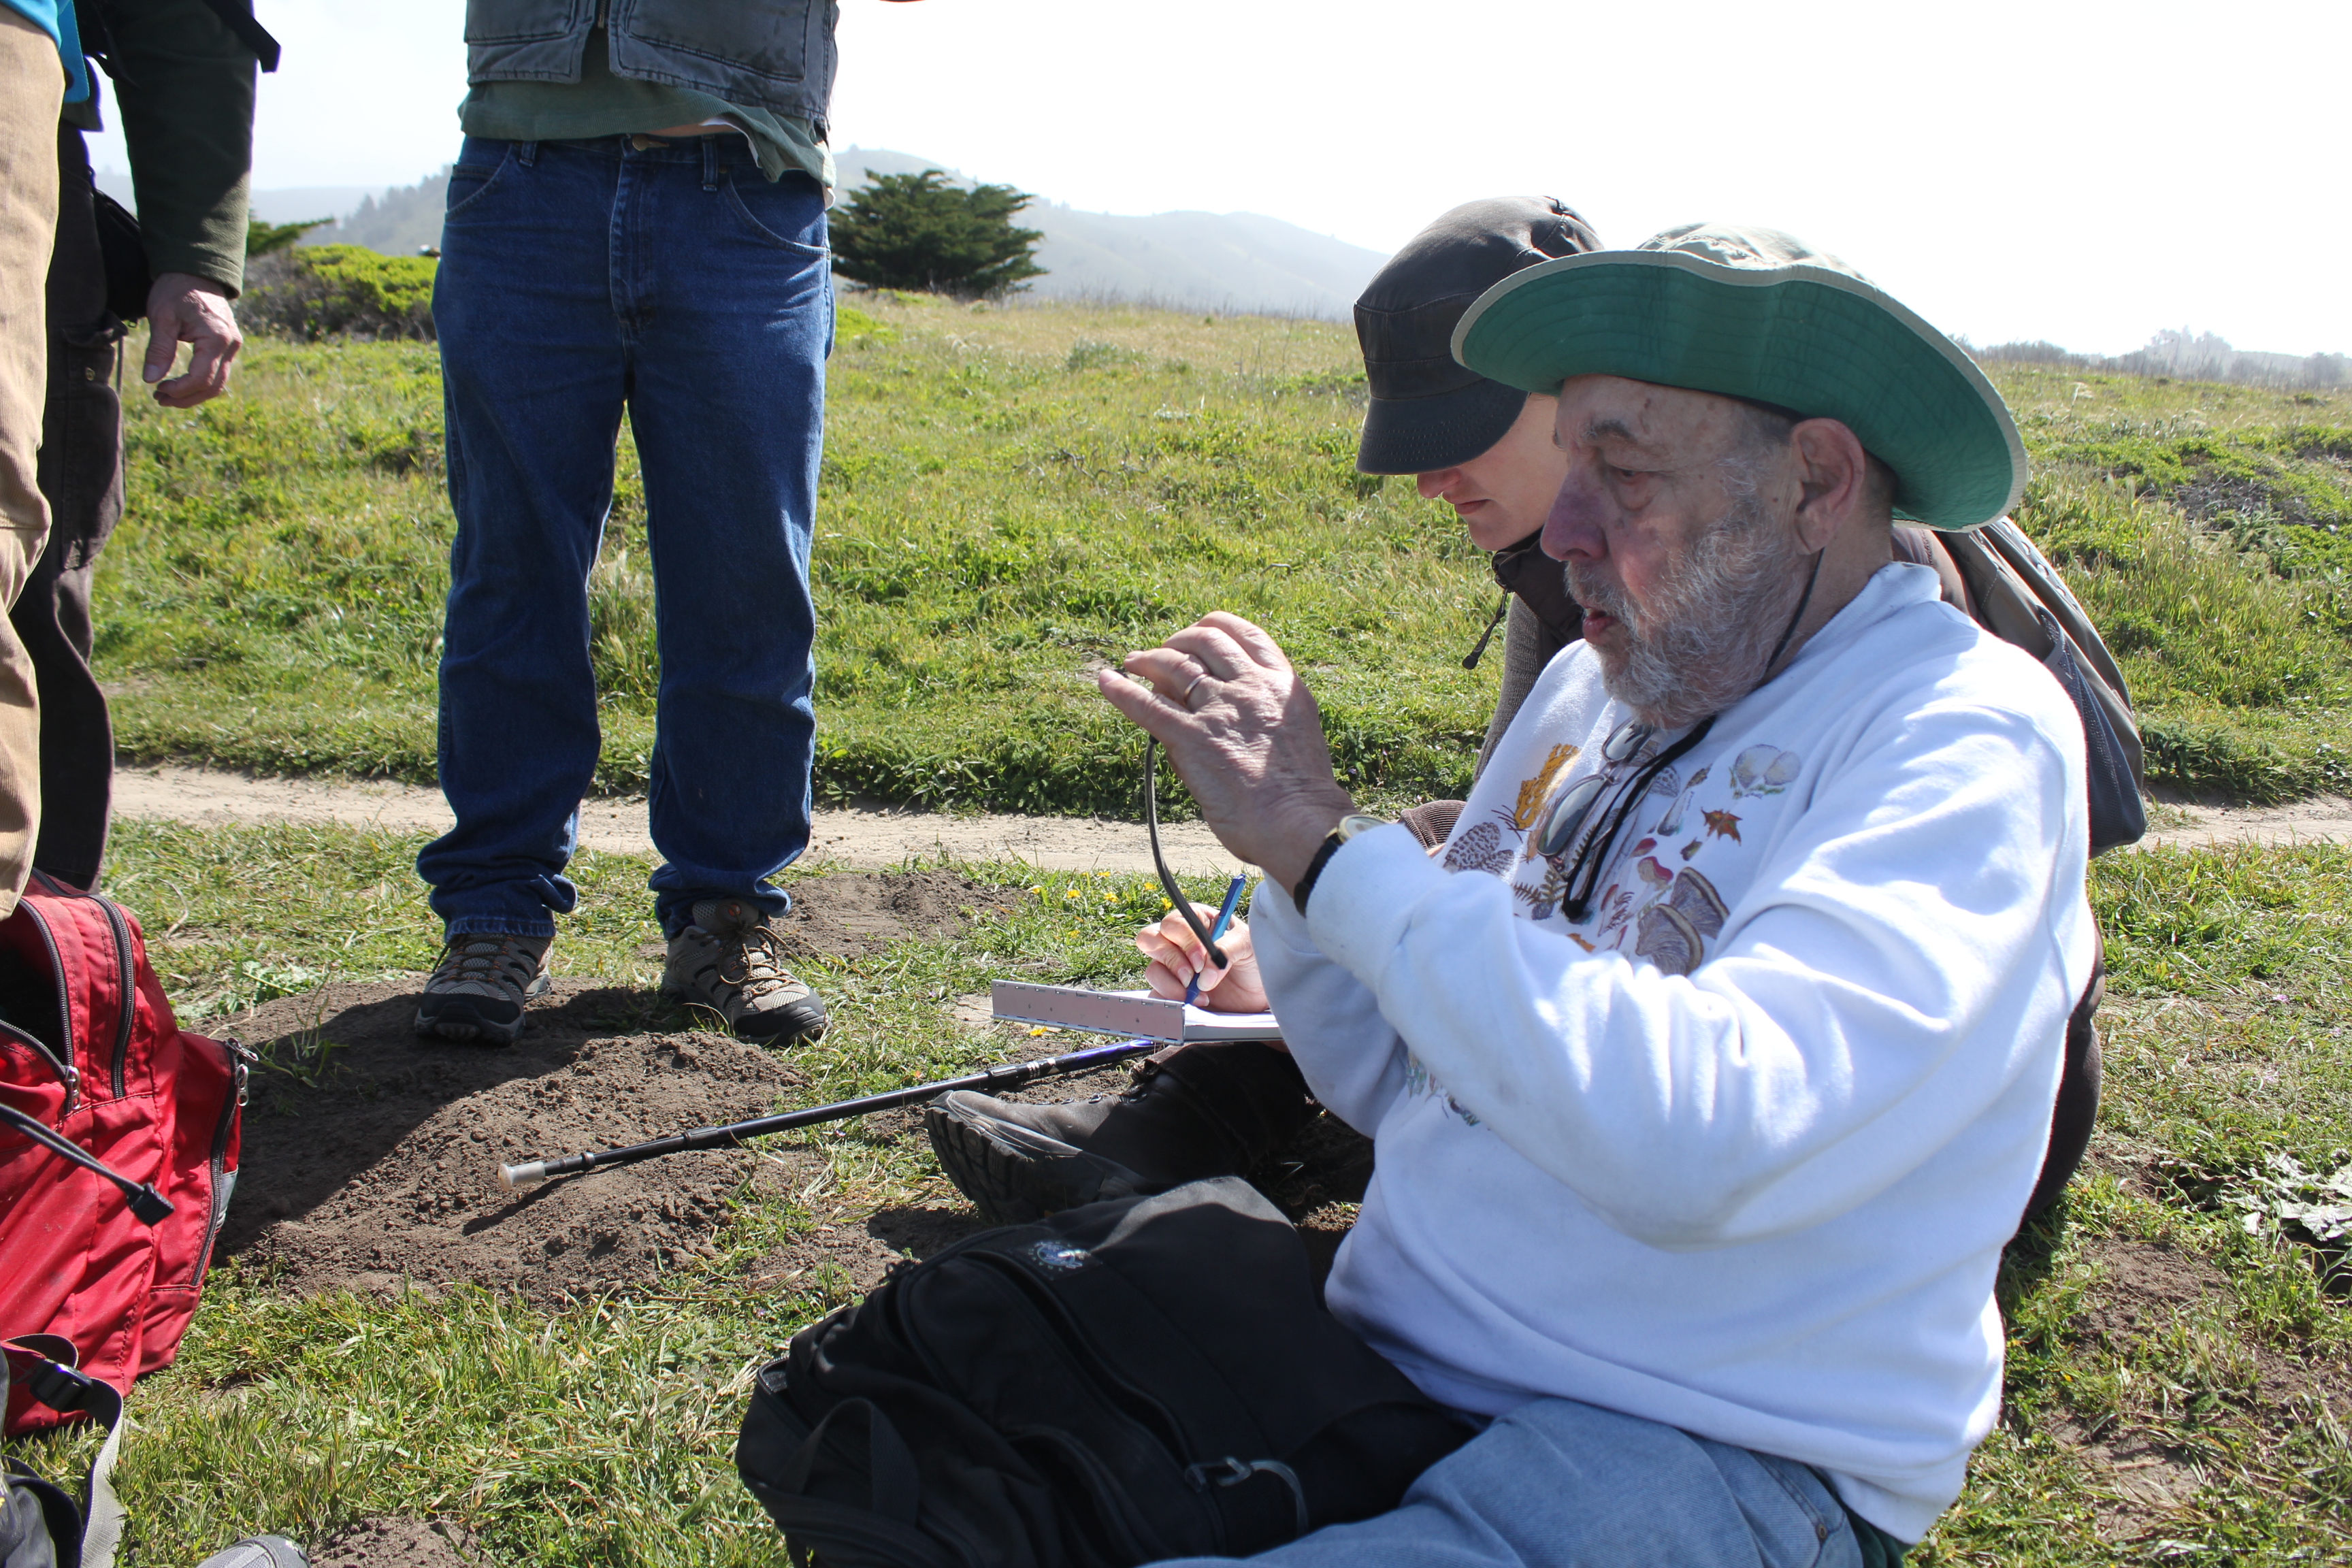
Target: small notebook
{"points": [[1138, 1014]]}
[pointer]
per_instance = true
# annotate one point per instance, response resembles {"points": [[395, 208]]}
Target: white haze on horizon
{"points": [[2085, 172]]}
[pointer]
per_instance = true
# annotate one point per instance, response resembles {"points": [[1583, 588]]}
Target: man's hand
{"points": [[1244, 735], [185, 309]]}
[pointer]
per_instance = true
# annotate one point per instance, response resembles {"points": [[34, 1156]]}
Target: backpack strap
{"points": [[873, 1533], [2023, 602], [54, 1382], [2117, 816]]}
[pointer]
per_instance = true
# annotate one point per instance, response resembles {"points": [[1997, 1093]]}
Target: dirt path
{"points": [[854, 836], [2325, 816], [865, 838]]}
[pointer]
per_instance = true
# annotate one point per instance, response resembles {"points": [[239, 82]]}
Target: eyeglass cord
{"points": [[1159, 862], [1591, 861], [1593, 856]]}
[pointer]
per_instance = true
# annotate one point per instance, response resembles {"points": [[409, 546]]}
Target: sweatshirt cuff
{"points": [[206, 257], [1362, 903]]}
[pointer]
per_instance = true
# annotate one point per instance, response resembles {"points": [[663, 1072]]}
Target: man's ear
{"points": [[1834, 472]]}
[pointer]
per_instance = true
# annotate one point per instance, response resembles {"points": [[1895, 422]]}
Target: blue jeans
{"points": [[1559, 1484], [578, 278]]}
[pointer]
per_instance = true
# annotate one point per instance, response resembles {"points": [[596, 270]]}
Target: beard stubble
{"points": [[1703, 642]]}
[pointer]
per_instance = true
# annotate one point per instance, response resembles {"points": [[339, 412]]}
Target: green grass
{"points": [[2203, 527], [1005, 508], [1015, 497], [601, 1435]]}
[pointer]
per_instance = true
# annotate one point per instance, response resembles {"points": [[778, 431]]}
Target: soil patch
{"points": [[2213, 494], [371, 1156], [853, 913], [396, 1543], [2147, 1288]]}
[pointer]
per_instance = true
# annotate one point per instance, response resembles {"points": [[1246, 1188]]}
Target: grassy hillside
{"points": [[1015, 495]]}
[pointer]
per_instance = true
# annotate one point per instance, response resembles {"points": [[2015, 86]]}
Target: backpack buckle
{"points": [[62, 1388], [1235, 1471]]}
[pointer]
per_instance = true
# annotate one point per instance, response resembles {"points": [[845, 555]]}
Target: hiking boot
{"points": [[1209, 1109], [479, 989], [731, 959]]}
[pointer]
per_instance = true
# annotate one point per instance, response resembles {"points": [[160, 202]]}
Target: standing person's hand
{"points": [[1177, 960], [185, 309], [1245, 736]]}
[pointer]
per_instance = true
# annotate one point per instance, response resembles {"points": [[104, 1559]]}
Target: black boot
{"points": [[1210, 1109]]}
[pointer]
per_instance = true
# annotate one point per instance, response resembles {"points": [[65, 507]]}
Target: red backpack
{"points": [[91, 1060]]}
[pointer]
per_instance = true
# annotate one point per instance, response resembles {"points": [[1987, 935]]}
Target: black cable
{"points": [[1488, 634], [1802, 600], [1590, 863], [1159, 862], [149, 1205]]}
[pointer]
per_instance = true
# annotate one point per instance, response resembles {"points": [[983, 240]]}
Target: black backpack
{"points": [[1135, 1380], [39, 1525]]}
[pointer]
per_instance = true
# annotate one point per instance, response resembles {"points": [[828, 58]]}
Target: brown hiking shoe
{"points": [[1210, 1109], [730, 959], [477, 990]]}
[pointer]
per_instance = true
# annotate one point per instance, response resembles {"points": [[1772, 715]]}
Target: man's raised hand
{"points": [[1243, 733]]}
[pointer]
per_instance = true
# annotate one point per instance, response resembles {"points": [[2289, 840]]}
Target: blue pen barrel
{"points": [[1224, 923]]}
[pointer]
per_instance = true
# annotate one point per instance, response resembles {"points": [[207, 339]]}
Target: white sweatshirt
{"points": [[1739, 1152]]}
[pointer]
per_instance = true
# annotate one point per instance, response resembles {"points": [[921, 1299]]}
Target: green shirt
{"points": [[603, 104], [183, 93]]}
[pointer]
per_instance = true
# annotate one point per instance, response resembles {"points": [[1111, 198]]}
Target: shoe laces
{"points": [[762, 962], [488, 955], [749, 956]]}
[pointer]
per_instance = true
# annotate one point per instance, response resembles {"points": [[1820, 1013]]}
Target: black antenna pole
{"points": [[1008, 1075]]}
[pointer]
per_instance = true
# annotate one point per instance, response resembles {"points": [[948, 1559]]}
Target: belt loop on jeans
{"points": [[709, 161], [526, 153]]}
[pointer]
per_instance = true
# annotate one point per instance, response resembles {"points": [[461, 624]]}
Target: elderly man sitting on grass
{"points": [[1711, 1064]]}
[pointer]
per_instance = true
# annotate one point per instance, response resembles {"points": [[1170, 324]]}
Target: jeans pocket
{"points": [[469, 183], [786, 203]]}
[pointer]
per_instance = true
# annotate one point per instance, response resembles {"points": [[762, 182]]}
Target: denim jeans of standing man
{"points": [[1560, 1484], [579, 279]]}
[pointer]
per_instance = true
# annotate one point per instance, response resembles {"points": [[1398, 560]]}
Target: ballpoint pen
{"points": [[1224, 918]]}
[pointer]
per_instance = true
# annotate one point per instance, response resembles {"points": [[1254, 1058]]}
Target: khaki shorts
{"points": [[29, 220]]}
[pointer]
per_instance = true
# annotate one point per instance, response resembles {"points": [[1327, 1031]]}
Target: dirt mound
{"points": [[371, 1157], [853, 913], [396, 1543], [375, 1157]]}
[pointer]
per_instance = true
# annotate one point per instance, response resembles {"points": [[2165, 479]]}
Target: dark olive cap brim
{"points": [[1427, 412], [1419, 435], [1822, 342]]}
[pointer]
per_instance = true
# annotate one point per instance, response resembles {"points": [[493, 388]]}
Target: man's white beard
{"points": [[1703, 642]]}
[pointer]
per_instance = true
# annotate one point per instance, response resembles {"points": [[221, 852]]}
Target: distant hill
{"points": [[297, 203], [399, 222], [1233, 261], [2198, 357], [1223, 261]]}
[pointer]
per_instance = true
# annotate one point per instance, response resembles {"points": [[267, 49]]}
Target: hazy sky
{"points": [[2085, 170]]}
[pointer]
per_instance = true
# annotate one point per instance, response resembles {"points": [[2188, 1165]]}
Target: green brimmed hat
{"points": [[1754, 313]]}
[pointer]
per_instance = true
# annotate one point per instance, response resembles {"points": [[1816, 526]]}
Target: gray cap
{"points": [[1427, 411]]}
